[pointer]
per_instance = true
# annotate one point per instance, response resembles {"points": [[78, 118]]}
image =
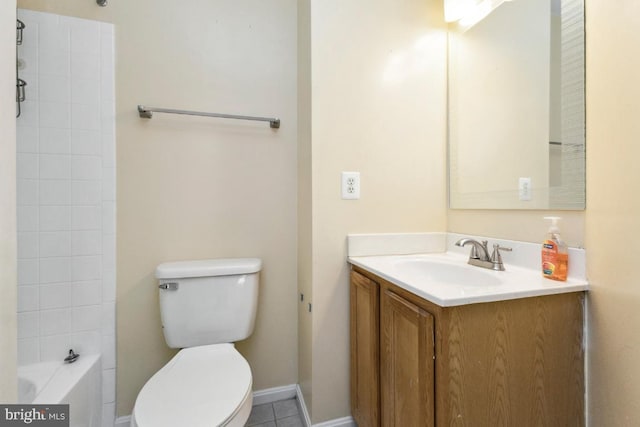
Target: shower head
{"points": [[102, 3]]}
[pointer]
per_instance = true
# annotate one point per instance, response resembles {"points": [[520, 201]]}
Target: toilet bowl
{"points": [[203, 386]]}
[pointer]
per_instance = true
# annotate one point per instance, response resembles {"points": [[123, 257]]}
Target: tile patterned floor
{"points": [[283, 413]]}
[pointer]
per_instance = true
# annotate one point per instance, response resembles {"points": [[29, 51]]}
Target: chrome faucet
{"points": [[479, 255]]}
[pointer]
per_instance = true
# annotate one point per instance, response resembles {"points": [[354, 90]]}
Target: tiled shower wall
{"points": [[66, 194]]}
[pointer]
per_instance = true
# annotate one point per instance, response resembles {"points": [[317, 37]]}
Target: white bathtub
{"points": [[79, 384]]}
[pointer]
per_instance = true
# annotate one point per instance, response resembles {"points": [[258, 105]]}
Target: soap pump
{"points": [[555, 255]]}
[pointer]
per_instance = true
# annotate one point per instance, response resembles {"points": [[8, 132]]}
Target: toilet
{"points": [[205, 307]]}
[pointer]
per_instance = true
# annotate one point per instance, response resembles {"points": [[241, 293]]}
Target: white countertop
{"points": [[480, 284]]}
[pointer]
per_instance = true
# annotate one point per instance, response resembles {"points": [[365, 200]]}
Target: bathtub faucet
{"points": [[72, 357]]}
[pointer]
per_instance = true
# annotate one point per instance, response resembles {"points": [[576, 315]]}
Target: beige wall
{"points": [[612, 220], [8, 263], [192, 188], [378, 107]]}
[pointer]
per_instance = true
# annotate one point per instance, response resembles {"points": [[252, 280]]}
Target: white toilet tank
{"points": [[208, 301]]}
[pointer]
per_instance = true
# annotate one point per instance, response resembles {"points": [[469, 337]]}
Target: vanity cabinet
{"points": [[505, 363]]}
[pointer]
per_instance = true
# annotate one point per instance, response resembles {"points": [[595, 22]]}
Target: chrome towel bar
{"points": [[147, 113]]}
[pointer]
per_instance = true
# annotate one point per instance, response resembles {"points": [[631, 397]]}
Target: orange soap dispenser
{"points": [[555, 256]]}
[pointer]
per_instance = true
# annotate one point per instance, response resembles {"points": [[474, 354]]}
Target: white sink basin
{"points": [[430, 271]]}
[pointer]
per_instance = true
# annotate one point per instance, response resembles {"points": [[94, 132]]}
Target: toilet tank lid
{"points": [[208, 267]]}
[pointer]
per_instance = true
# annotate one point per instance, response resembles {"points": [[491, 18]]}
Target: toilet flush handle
{"points": [[169, 286]]}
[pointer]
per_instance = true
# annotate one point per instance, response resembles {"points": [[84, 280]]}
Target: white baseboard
{"points": [[302, 407], [306, 420], [338, 422], [123, 421], [274, 394]]}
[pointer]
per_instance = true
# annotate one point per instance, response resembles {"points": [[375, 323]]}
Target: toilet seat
{"points": [[202, 386]]}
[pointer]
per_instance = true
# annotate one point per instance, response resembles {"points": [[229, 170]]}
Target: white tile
{"points": [[28, 324], [107, 84], [85, 91], [54, 347], [55, 88], [27, 218], [27, 192], [54, 62], [87, 342], [53, 37], [86, 142], [87, 318], [109, 318], [86, 66], [55, 141], [86, 218], [27, 139], [106, 40], [28, 273], [108, 150], [55, 322], [86, 242], [85, 117], [108, 285], [86, 268], [85, 36], [108, 385], [55, 218], [86, 293], [55, 166], [28, 244], [106, 30], [54, 270], [54, 115], [86, 193], [27, 165], [55, 244], [109, 251], [108, 414], [109, 184], [28, 298], [107, 116], [109, 217], [29, 113], [54, 296], [28, 66], [86, 167], [55, 192], [28, 351], [108, 351]]}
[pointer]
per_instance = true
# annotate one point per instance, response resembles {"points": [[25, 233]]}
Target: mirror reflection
{"points": [[516, 108]]}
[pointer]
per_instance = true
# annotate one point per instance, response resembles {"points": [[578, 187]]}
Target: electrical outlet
{"points": [[524, 188], [350, 185]]}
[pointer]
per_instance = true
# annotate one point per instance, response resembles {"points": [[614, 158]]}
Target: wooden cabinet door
{"points": [[365, 350], [407, 363]]}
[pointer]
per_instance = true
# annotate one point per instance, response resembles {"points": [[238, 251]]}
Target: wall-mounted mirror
{"points": [[517, 108]]}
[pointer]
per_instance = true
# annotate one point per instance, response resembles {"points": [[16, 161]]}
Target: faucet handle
{"points": [[496, 258]]}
